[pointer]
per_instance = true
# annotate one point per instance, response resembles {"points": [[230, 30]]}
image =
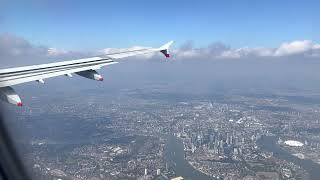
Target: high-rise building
{"points": [[227, 140]]}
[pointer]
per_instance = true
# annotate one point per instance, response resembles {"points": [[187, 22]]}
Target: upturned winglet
{"points": [[165, 49]]}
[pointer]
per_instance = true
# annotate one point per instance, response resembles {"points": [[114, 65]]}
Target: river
{"points": [[174, 154], [269, 143]]}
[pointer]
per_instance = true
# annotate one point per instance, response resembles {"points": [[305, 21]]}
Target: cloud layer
{"points": [[14, 46], [16, 50], [191, 69], [303, 48]]}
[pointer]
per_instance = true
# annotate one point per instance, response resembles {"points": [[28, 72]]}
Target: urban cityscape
{"points": [[155, 133], [160, 90]]}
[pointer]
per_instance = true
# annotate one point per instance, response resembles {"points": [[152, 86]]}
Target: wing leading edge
{"points": [[83, 67]]}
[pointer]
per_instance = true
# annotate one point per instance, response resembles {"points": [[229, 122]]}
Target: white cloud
{"points": [[16, 50], [296, 47], [304, 48], [14, 46], [55, 52]]}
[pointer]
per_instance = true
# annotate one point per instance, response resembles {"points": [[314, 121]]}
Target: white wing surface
{"points": [[83, 67]]}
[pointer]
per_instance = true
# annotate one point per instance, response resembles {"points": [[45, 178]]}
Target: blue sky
{"points": [[87, 25]]}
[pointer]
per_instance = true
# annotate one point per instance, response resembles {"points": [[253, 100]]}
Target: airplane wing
{"points": [[83, 67]]}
